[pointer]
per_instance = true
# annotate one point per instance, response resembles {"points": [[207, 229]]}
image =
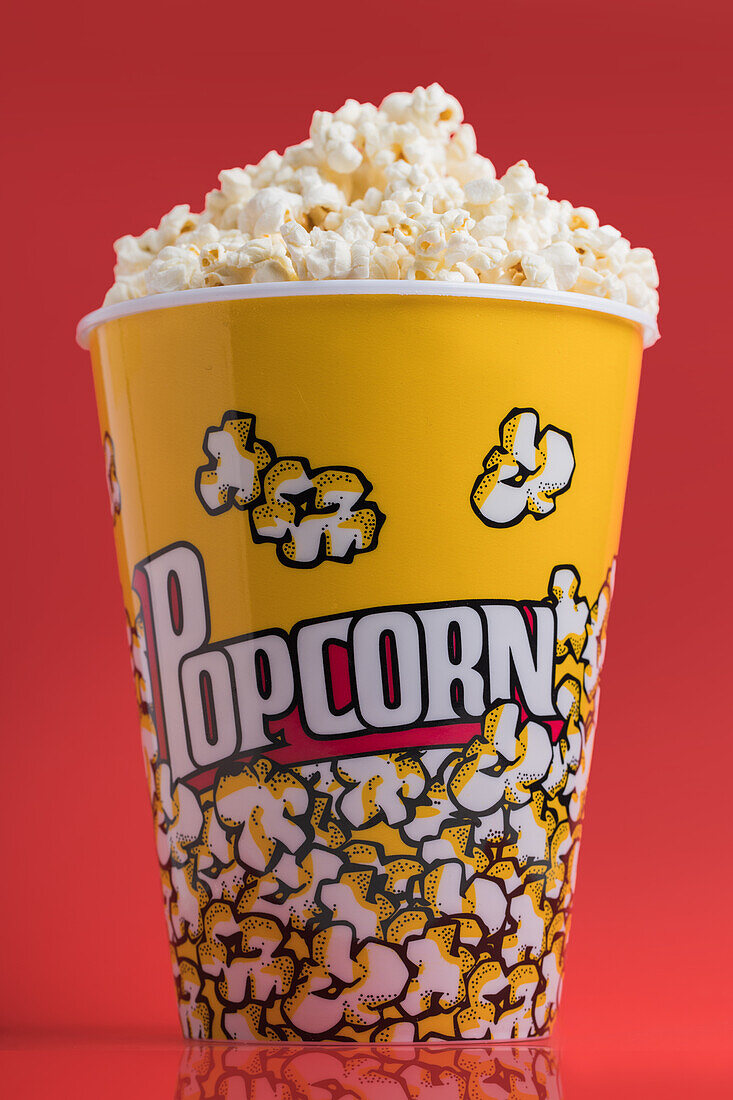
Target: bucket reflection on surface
{"points": [[442, 1072]]}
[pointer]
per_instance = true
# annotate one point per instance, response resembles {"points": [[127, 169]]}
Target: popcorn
{"points": [[194, 1012], [139, 661], [442, 964], [394, 192], [525, 473]]}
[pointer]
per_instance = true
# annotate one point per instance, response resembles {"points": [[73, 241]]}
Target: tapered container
{"points": [[367, 536]]}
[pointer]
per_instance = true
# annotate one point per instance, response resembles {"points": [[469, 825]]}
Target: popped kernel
{"points": [[390, 192]]}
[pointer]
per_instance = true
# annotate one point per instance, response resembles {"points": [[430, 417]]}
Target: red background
{"points": [[116, 113]]}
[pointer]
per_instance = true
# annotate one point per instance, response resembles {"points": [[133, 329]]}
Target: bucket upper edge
{"points": [[499, 291]]}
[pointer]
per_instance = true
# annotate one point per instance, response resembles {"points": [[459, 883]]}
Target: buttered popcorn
{"points": [[390, 192]]}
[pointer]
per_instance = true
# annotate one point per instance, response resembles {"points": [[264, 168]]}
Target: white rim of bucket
{"points": [[496, 291]]}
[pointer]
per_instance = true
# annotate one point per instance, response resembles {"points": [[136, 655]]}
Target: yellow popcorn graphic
{"points": [[504, 763], [113, 485], [265, 804], [257, 969], [371, 790], [237, 459], [523, 475], [316, 515], [138, 658], [571, 613], [312, 515], [594, 652], [340, 986]]}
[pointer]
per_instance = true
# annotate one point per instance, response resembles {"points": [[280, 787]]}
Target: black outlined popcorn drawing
{"points": [[237, 460], [316, 515], [524, 474], [312, 515]]}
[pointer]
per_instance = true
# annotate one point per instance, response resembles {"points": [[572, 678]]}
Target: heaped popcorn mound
{"points": [[390, 897], [390, 192]]}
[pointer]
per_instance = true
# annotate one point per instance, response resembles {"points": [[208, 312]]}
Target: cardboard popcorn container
{"points": [[367, 535]]}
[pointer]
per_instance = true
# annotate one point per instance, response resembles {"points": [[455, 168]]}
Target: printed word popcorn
{"points": [[390, 192]]}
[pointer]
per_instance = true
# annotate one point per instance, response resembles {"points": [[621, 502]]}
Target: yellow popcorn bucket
{"points": [[366, 534]]}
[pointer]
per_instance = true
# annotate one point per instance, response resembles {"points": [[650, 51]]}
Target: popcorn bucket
{"points": [[367, 535]]}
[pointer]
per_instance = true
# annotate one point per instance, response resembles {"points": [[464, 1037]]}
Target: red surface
{"points": [[114, 114]]}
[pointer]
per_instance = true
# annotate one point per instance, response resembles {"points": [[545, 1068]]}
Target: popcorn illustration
{"points": [[503, 763], [571, 614], [450, 892], [237, 459], [268, 806], [379, 785], [149, 743], [567, 749], [139, 658], [528, 941], [194, 1011], [312, 515], [179, 819], [113, 485], [188, 899], [442, 964], [485, 985], [340, 986], [524, 474], [431, 813], [218, 868], [594, 652], [589, 645], [354, 900], [315, 515], [531, 829], [258, 970], [246, 1024]]}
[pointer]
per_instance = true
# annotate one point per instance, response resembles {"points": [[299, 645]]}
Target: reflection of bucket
{"points": [[385, 1071], [366, 544]]}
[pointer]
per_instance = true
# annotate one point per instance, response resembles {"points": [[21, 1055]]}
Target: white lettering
{"points": [[179, 622], [445, 627], [257, 699], [206, 682], [387, 669], [319, 713], [510, 649]]}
